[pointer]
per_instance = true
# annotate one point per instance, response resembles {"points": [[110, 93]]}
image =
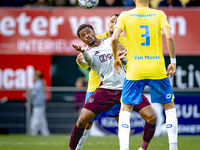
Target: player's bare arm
{"points": [[121, 47], [114, 44], [171, 70]]}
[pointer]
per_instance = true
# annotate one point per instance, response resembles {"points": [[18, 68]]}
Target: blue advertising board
{"points": [[188, 113], [109, 124]]}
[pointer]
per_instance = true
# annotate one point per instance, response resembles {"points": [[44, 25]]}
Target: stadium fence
{"points": [[63, 107]]}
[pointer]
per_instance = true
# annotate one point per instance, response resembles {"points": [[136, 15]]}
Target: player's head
{"points": [[86, 33], [112, 22], [80, 82], [38, 75], [141, 1]]}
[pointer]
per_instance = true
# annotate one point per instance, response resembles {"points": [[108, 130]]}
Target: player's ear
{"points": [[94, 32]]}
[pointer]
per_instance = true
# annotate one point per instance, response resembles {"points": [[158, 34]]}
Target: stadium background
{"points": [[41, 38]]}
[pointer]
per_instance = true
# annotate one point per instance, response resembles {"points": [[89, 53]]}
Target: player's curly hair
{"points": [[82, 27]]}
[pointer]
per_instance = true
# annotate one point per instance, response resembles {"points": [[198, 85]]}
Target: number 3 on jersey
{"points": [[146, 35]]}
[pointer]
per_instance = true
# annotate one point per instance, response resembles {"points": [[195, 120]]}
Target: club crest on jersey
{"points": [[97, 52], [91, 100]]}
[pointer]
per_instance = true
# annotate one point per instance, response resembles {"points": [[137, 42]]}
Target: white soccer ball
{"points": [[88, 4]]}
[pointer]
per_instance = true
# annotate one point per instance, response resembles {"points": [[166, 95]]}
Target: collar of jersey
{"points": [[141, 7]]}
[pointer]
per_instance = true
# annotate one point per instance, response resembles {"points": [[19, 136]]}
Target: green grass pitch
{"points": [[60, 142]]}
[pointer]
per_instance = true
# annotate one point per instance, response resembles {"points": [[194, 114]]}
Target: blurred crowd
{"points": [[102, 3]]}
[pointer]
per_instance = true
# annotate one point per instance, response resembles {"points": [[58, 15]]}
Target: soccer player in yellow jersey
{"points": [[146, 66], [144, 109]]}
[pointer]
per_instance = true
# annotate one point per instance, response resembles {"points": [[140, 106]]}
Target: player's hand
{"points": [[117, 63], [120, 47], [79, 58], [78, 48], [171, 70], [122, 54]]}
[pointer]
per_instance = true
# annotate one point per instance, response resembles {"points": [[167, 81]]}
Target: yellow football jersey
{"points": [[143, 32], [94, 79]]}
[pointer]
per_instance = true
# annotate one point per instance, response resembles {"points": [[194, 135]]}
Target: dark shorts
{"points": [[102, 100], [145, 102]]}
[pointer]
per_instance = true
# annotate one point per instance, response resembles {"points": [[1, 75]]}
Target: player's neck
{"points": [[139, 5]]}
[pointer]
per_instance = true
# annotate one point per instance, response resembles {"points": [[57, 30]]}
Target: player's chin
{"points": [[90, 43]]}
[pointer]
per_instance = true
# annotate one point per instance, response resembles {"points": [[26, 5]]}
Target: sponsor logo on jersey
{"points": [[103, 58]]}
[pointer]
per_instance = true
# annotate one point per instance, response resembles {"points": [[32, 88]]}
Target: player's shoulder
{"points": [[105, 43], [157, 11], [39, 83], [106, 40], [127, 12], [101, 36], [90, 50]]}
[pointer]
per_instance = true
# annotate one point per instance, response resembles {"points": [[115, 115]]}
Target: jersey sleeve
{"points": [[101, 36], [83, 65], [87, 58], [163, 20], [120, 22]]}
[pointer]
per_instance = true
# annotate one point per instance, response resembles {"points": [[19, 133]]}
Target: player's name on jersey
{"points": [[146, 57], [140, 15]]}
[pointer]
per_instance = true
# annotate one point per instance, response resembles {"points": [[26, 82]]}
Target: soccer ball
{"points": [[88, 4]]}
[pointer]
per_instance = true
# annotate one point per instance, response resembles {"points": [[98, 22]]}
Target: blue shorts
{"points": [[114, 111], [160, 91]]}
